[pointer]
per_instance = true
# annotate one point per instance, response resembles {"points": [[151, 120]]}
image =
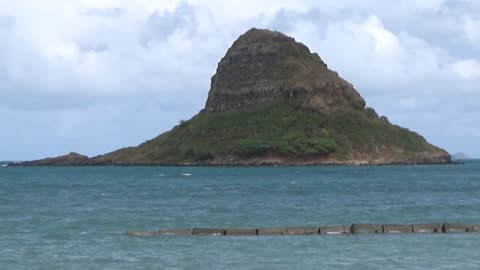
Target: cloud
{"points": [[467, 69], [103, 12], [87, 46], [6, 22], [161, 25], [102, 60], [416, 62], [373, 57], [471, 29]]}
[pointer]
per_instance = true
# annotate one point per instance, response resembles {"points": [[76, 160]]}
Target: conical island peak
{"points": [[264, 66], [272, 101]]}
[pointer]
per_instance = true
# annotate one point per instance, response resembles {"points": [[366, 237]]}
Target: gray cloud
{"points": [[161, 25]]}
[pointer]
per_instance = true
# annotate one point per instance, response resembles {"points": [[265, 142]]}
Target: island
{"points": [[273, 102], [460, 156]]}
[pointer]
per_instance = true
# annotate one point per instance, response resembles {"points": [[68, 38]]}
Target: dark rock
{"points": [[302, 230], [397, 229], [366, 228], [427, 228], [143, 233], [457, 228], [176, 232], [272, 231], [240, 232], [208, 231], [335, 230]]}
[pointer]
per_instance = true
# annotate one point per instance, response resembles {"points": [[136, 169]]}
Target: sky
{"points": [[92, 76]]}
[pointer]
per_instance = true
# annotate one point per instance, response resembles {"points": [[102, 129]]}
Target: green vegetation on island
{"points": [[275, 132]]}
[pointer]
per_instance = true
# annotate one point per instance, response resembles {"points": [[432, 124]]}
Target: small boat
{"points": [[4, 165]]}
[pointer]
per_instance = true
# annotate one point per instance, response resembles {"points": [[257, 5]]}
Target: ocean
{"points": [[77, 217]]}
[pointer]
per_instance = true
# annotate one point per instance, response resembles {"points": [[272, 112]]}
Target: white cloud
{"points": [[374, 58], [472, 30], [467, 69]]}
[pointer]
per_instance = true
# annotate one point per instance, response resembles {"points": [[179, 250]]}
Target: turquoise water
{"points": [[76, 218]]}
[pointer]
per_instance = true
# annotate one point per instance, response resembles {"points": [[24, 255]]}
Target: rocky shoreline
{"points": [[245, 163]]}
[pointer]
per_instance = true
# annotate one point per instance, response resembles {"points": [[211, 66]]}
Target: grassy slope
{"points": [[277, 128]]}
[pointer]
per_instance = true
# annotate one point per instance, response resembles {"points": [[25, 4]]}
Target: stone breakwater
{"points": [[327, 230]]}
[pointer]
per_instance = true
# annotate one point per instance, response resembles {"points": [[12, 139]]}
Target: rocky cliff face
{"points": [[263, 66]]}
